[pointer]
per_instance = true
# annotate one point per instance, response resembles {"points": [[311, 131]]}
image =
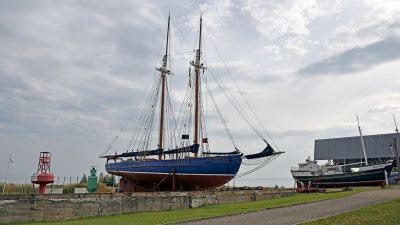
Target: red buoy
{"points": [[43, 175]]}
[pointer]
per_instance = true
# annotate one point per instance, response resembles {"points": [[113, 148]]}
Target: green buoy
{"points": [[92, 180]]}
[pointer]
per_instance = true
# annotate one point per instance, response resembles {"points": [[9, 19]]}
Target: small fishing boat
{"points": [[311, 175]]}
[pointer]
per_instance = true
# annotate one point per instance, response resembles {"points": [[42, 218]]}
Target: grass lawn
{"points": [[206, 211], [383, 213]]}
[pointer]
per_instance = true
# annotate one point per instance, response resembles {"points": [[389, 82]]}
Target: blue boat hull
{"points": [[188, 174]]}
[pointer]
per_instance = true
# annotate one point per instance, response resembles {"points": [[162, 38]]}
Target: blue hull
{"points": [[180, 174]]}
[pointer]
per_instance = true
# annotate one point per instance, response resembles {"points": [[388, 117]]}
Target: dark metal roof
{"points": [[377, 146]]}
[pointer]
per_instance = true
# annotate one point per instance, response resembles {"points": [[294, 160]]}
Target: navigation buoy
{"points": [[43, 175]]}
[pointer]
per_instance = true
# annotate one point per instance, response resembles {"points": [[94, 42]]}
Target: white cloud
{"points": [[296, 44], [384, 10], [362, 23], [275, 19], [214, 13], [273, 51]]}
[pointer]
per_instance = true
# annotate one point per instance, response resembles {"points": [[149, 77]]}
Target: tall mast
{"points": [[164, 72], [197, 66], [395, 144], [362, 142]]}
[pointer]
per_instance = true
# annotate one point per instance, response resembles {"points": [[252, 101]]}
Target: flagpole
{"points": [[5, 181]]}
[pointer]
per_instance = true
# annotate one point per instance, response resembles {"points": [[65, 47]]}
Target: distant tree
{"points": [[105, 179], [109, 180], [84, 179], [112, 180]]}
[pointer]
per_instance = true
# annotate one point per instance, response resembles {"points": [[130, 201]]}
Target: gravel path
{"points": [[307, 211]]}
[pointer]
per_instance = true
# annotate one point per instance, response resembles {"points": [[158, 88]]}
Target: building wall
{"points": [[377, 146]]}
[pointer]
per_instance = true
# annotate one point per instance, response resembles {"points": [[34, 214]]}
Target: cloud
{"points": [[273, 51], [379, 109], [214, 12], [296, 44], [274, 19], [356, 59], [72, 70]]}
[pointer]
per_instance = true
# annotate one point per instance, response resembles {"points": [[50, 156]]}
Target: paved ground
{"points": [[307, 211]]}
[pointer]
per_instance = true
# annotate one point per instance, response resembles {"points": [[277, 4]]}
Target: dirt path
{"points": [[307, 211]]}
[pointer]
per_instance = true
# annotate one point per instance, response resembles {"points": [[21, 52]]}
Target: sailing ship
{"points": [[188, 165], [310, 175]]}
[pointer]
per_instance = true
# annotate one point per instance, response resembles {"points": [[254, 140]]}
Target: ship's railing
{"points": [[294, 168]]}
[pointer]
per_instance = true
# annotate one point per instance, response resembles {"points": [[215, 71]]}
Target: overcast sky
{"points": [[71, 73]]}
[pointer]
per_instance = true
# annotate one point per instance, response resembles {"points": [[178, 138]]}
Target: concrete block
{"points": [[54, 191], [80, 191]]}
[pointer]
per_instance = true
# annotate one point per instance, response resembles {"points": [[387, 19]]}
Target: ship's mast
{"points": [[198, 66], [164, 72], [362, 142], [395, 144]]}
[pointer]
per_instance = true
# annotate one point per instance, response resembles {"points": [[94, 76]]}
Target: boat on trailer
{"points": [[189, 165], [310, 175]]}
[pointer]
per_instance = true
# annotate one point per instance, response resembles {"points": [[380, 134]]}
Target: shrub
{"points": [[103, 188], [16, 188], [71, 187]]}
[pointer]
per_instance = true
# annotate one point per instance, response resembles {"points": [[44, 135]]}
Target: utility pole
{"points": [[5, 181]]}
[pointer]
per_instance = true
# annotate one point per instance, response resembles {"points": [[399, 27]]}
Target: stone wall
{"points": [[33, 207]]}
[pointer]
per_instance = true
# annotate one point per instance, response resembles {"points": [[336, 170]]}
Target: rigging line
{"points": [[182, 112], [184, 36], [161, 47], [202, 114], [204, 125], [147, 128], [184, 122], [143, 114], [149, 121], [201, 119], [152, 122], [172, 119], [169, 118], [173, 122], [237, 86], [254, 169], [240, 91], [267, 161], [182, 53], [185, 104], [142, 125], [147, 134], [236, 105], [171, 59], [386, 151], [220, 114], [234, 102], [129, 118]]}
